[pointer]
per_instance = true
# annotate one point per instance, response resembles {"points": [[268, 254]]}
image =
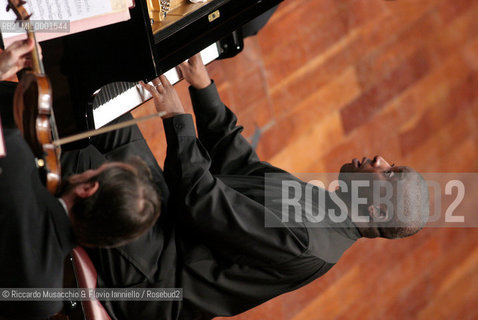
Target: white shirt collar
{"points": [[63, 204]]}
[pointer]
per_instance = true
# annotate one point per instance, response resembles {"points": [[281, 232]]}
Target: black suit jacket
{"points": [[35, 231]]}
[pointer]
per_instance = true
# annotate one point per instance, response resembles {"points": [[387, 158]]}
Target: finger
{"points": [[23, 47], [26, 56], [196, 59], [158, 86], [150, 89], [15, 45], [147, 86], [156, 82], [182, 67], [23, 62], [183, 64], [164, 81], [180, 72]]}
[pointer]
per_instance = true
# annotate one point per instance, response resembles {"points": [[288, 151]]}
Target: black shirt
{"points": [[217, 183]]}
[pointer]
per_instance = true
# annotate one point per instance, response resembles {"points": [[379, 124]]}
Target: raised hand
{"points": [[15, 58], [166, 98], [195, 72]]}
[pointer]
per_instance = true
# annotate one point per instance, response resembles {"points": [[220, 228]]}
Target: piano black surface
{"points": [[80, 64]]}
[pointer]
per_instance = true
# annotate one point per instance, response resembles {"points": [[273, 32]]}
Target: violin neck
{"points": [[37, 64]]}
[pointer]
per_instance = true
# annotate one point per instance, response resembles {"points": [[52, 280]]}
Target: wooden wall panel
{"points": [[330, 80]]}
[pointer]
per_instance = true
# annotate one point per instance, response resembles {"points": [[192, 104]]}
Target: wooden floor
{"points": [[329, 80]]}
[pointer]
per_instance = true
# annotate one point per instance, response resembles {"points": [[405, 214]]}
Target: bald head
{"points": [[411, 206], [396, 205]]}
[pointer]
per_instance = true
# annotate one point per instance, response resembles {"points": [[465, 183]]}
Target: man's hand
{"points": [[15, 58], [166, 98], [195, 72]]}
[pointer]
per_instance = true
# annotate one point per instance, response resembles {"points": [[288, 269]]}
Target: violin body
{"points": [[33, 112], [33, 109]]}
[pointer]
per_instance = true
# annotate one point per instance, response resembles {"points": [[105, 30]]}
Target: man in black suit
{"points": [[213, 242], [104, 205]]}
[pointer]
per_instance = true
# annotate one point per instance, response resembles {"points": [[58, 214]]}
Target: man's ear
{"points": [[377, 214], [85, 190]]}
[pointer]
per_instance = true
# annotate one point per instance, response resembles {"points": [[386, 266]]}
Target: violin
{"points": [[33, 110]]}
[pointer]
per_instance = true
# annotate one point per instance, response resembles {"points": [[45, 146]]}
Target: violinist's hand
{"points": [[15, 58], [166, 98], [195, 72]]}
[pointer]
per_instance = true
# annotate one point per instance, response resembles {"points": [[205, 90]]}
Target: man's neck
{"points": [[364, 228], [349, 227]]}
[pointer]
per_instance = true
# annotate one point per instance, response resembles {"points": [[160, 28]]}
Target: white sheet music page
{"points": [[3, 151], [81, 15]]}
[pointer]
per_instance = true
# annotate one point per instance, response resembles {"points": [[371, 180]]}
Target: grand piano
{"points": [[95, 73], [94, 76]]}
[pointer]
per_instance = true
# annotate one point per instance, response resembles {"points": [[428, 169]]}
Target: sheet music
{"points": [[72, 11]]}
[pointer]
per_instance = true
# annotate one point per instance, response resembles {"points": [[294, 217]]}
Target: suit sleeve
{"points": [[110, 141], [226, 220], [125, 143], [218, 131]]}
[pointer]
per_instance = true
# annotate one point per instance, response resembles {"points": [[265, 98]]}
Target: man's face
{"points": [[378, 167], [370, 170], [382, 175]]}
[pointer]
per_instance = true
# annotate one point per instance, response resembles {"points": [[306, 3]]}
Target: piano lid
{"points": [[80, 64]]}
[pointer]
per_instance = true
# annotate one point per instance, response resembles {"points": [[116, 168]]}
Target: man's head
{"points": [[113, 204], [397, 197]]}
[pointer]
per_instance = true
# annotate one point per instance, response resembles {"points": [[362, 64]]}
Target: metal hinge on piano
{"points": [[116, 99]]}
